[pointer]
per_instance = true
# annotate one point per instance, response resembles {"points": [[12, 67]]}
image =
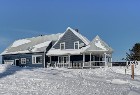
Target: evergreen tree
{"points": [[134, 53]]}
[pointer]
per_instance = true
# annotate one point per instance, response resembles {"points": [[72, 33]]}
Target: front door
{"points": [[63, 59], [17, 62]]}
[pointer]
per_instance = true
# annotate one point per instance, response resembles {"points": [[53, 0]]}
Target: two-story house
{"points": [[69, 49], [74, 50]]}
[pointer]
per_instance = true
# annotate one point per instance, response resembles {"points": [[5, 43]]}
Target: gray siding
{"points": [[28, 59], [69, 38]]}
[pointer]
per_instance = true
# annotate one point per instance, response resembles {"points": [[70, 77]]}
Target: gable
{"points": [[69, 38], [97, 44]]}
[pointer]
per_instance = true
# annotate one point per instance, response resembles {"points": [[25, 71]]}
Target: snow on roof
{"points": [[20, 42], [41, 45], [34, 44], [66, 51], [97, 44], [84, 39]]}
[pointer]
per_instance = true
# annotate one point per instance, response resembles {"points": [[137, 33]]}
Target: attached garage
{"points": [[9, 62]]}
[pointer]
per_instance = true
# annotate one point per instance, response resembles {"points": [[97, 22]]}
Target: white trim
{"points": [[22, 60], [75, 43], [83, 59], [63, 44], [44, 59], [105, 59], [90, 59], [34, 56], [15, 62]]}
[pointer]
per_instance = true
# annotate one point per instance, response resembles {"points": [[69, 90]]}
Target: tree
{"points": [[134, 53]]}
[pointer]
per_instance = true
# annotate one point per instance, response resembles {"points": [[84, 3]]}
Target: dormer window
{"points": [[62, 45], [76, 45]]}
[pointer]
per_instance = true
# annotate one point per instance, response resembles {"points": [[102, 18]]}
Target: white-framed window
{"points": [[23, 60], [76, 45], [63, 59], [37, 59], [62, 45]]}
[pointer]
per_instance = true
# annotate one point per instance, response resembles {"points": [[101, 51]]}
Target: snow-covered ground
{"points": [[60, 81]]}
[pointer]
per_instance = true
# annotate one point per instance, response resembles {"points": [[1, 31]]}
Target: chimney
{"points": [[76, 30]]}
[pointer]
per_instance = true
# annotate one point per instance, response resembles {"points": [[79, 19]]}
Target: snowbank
{"points": [[62, 81]]}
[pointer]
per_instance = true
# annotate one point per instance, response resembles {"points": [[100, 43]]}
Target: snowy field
{"points": [[59, 81]]}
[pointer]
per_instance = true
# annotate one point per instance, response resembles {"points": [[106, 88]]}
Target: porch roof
{"points": [[65, 51]]}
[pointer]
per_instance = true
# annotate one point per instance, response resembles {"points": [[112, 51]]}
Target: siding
{"points": [[28, 59], [69, 38]]}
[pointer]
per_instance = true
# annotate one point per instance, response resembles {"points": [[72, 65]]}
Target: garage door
{"points": [[9, 62]]}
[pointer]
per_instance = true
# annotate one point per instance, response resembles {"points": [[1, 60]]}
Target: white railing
{"points": [[94, 64], [79, 65], [69, 65]]}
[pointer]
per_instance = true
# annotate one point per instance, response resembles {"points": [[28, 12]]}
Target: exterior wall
{"points": [[77, 59], [2, 59], [28, 59], [69, 38], [73, 59]]}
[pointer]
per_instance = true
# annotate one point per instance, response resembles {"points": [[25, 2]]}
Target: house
{"points": [[75, 50], [69, 49], [30, 51]]}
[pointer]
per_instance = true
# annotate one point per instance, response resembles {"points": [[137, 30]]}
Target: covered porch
{"points": [[84, 60], [96, 54]]}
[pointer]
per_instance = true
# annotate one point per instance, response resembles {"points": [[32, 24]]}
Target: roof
{"points": [[34, 44], [97, 44], [56, 52], [84, 39]]}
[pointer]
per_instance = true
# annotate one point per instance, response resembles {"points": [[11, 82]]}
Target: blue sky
{"points": [[117, 22]]}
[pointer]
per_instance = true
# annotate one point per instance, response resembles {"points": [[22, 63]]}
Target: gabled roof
{"points": [[97, 44], [29, 45], [84, 39]]}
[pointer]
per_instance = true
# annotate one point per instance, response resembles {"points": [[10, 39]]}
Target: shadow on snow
{"points": [[10, 70]]}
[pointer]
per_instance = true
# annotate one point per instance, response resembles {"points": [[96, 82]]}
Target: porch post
{"points": [[105, 59], [90, 60], [50, 60], [44, 59], [69, 61], [83, 59], [58, 59]]}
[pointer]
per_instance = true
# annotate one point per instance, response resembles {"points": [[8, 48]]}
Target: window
{"points": [[62, 45], [37, 59], [63, 59], [76, 45], [23, 60]]}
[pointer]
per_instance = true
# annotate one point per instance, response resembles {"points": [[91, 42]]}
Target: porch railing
{"points": [[94, 64], [69, 65], [80, 65]]}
